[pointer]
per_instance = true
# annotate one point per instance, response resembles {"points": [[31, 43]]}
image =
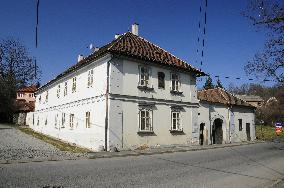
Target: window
{"points": [[161, 80], [175, 82], [37, 121], [176, 122], [88, 123], [58, 91], [55, 121], [90, 78], [65, 89], [71, 121], [21, 95], [74, 84], [39, 99], [45, 123], [145, 120], [144, 76], [63, 120], [46, 96], [240, 124]]}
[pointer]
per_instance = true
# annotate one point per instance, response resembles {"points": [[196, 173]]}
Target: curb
{"points": [[172, 150]]}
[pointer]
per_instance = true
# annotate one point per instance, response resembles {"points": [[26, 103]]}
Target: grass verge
{"points": [[63, 146], [267, 133]]}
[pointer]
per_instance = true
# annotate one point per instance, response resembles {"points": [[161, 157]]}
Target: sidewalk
{"points": [[125, 153], [153, 151]]}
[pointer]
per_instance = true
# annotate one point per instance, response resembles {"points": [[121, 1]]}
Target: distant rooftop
{"points": [[250, 98], [28, 89], [219, 95]]}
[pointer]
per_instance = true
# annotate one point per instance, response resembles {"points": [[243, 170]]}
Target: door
{"points": [[201, 133], [248, 131]]}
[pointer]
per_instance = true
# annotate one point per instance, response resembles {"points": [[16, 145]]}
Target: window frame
{"points": [[161, 81], [71, 121], [178, 120], [65, 92], [58, 91], [74, 84], [240, 124], [145, 78], [46, 96], [88, 119], [63, 119], [175, 82], [149, 119], [90, 78]]}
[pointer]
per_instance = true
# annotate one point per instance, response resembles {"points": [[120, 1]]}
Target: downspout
{"points": [[106, 116]]}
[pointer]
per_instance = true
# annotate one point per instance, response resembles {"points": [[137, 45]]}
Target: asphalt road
{"points": [[256, 165]]}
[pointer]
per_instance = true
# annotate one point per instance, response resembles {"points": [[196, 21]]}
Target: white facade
{"points": [[52, 115], [126, 99], [237, 122], [121, 127]]}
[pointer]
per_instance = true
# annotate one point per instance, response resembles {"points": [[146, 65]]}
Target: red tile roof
{"points": [[219, 95], [137, 47], [28, 89]]}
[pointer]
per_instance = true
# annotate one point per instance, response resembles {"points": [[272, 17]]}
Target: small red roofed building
{"points": [[24, 103]]}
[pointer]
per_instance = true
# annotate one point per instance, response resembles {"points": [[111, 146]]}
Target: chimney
{"points": [[80, 57], [135, 29], [96, 49], [116, 36]]}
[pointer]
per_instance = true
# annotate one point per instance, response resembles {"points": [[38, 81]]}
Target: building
{"points": [[224, 118], [26, 93], [254, 100], [126, 94], [24, 103]]}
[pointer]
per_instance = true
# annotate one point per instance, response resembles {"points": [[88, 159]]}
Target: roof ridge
{"points": [[116, 41]]}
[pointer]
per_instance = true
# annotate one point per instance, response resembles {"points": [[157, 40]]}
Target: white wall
{"points": [[85, 99], [208, 112], [124, 99]]}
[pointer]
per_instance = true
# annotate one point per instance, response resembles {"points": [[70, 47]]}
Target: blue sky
{"points": [[67, 27]]}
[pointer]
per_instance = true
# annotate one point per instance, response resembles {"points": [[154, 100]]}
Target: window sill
{"points": [[145, 132], [176, 131], [146, 88], [176, 92]]}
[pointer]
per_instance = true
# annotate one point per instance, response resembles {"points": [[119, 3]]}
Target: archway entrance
{"points": [[201, 133], [217, 132]]}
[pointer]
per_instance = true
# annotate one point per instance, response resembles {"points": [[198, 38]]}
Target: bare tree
{"points": [[17, 68], [268, 15]]}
